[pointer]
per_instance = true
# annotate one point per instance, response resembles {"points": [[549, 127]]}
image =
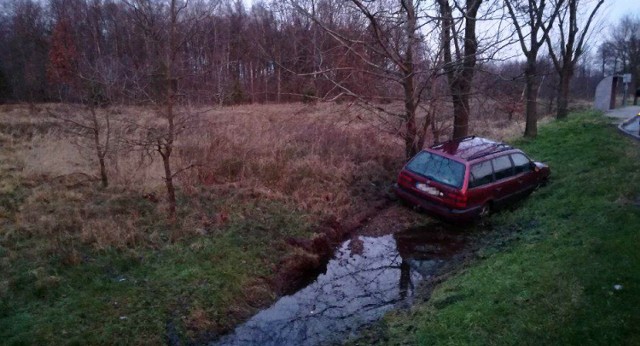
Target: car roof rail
{"points": [[499, 147], [465, 138]]}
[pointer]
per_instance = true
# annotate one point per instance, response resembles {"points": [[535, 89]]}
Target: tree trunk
{"points": [[220, 87], [461, 70], [170, 136], [410, 137], [531, 129], [411, 141], [266, 86], [412, 145], [103, 172], [279, 84], [168, 180], [460, 113], [253, 90], [563, 92], [100, 151]]}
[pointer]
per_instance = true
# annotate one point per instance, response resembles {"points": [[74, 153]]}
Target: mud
{"points": [[302, 267]]}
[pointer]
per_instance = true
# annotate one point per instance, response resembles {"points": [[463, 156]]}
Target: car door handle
{"points": [[498, 189], [520, 181]]}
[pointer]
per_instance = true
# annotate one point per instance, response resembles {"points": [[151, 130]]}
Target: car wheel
{"points": [[485, 210]]}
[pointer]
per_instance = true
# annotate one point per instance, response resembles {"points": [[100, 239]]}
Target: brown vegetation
{"points": [[329, 160]]}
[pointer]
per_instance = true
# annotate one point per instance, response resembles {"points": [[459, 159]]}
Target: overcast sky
{"points": [[611, 12], [614, 9], [618, 8]]}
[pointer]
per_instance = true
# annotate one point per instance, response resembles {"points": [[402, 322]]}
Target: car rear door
{"points": [[480, 184]]}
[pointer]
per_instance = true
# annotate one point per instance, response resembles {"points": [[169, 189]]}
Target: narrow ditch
{"points": [[367, 277]]}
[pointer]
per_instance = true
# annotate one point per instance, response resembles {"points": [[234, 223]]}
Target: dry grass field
{"points": [[259, 177], [327, 160]]}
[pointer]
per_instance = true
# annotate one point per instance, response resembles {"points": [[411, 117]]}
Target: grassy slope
{"points": [[143, 295], [554, 281]]}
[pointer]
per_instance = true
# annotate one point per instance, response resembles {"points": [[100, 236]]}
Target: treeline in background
{"points": [[228, 52]]}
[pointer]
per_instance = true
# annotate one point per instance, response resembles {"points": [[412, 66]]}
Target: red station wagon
{"points": [[469, 177]]}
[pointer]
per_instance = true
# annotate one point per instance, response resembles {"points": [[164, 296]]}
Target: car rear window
{"points": [[437, 168], [481, 174]]}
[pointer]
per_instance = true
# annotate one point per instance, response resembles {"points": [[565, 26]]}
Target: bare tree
{"points": [[166, 27], [459, 63], [392, 50], [87, 81], [570, 47], [93, 124], [606, 53], [622, 50], [532, 19]]}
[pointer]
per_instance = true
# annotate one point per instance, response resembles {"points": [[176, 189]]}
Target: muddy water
{"points": [[367, 277]]}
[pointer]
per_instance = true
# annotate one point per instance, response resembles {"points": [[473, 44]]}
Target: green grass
{"points": [[546, 276], [143, 294], [566, 248]]}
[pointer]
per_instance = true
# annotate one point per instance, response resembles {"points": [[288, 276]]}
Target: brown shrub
{"points": [[110, 232], [311, 159], [69, 212]]}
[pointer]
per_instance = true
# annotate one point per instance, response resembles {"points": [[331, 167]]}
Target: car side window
{"points": [[502, 167], [481, 174], [521, 163]]}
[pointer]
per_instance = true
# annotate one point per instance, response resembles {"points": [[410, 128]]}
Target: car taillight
{"points": [[405, 179], [459, 200]]}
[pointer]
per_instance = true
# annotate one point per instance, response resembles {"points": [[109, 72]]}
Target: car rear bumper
{"points": [[440, 210]]}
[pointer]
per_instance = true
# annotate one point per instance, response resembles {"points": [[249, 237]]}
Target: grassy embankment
{"points": [[83, 264], [57, 288], [555, 281]]}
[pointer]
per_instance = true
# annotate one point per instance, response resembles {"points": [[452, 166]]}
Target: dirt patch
{"points": [[435, 241], [393, 219], [311, 256], [386, 216]]}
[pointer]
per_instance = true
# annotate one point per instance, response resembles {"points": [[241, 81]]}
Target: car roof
{"points": [[469, 148]]}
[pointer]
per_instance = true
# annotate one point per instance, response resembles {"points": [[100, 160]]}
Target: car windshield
{"points": [[437, 168]]}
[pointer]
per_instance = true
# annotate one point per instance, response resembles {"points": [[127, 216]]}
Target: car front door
{"points": [[523, 173], [506, 184]]}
